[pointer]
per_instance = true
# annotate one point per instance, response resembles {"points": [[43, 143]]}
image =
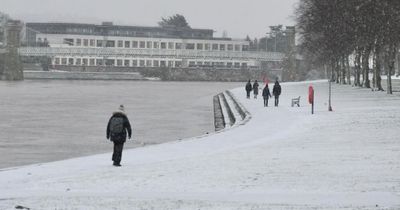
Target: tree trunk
{"points": [[365, 66], [343, 70], [391, 62], [348, 70], [357, 65], [378, 67]]}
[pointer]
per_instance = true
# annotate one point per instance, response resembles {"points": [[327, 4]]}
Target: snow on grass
{"points": [[283, 158]]}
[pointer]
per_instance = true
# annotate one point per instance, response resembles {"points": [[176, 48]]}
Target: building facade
{"points": [[71, 44]]}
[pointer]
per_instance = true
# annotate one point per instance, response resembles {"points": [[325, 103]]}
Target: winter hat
{"points": [[121, 108]]}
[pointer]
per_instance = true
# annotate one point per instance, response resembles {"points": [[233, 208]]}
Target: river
{"points": [[49, 120]]}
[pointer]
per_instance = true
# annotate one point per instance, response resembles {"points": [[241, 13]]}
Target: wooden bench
{"points": [[296, 101]]}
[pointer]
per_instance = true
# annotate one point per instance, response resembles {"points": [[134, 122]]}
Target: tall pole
{"points": [[330, 93]]}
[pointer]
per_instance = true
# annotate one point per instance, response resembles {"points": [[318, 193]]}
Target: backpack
{"points": [[117, 124]]}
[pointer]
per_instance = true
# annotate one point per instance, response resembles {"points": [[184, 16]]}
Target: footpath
{"points": [[265, 158]]}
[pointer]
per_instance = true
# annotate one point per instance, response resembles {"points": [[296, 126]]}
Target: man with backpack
{"points": [[276, 91], [117, 128]]}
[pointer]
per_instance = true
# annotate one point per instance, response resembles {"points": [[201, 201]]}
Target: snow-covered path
{"points": [[283, 158]]}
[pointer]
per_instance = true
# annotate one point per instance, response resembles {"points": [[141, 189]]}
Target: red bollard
{"points": [[311, 98]]}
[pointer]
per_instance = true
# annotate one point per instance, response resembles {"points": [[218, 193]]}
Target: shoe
{"points": [[116, 164]]}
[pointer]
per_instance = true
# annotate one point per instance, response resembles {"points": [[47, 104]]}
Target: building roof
{"points": [[109, 29]]}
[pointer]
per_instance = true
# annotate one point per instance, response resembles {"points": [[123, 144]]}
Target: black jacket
{"points": [[266, 93], [119, 137], [277, 89], [248, 87]]}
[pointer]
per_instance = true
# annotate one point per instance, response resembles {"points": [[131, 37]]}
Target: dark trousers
{"points": [[276, 100], [265, 101], [117, 155], [248, 94]]}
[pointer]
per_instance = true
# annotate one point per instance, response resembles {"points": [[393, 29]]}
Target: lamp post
{"points": [[330, 92]]}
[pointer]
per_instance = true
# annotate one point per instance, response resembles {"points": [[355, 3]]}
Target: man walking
{"points": [[248, 89], [266, 94], [117, 128], [276, 91], [255, 89]]}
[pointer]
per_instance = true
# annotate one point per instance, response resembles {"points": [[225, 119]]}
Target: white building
{"points": [[71, 44]]}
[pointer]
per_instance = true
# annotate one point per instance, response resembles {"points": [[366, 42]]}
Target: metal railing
{"points": [[162, 53]]}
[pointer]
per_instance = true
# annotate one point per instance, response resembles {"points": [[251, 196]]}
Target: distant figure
{"points": [[266, 94], [248, 88], [276, 91], [117, 127], [255, 89]]}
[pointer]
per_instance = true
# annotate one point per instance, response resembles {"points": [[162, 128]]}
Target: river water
{"points": [[49, 120]]}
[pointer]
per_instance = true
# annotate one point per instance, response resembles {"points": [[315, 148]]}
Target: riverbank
{"points": [[283, 158]]}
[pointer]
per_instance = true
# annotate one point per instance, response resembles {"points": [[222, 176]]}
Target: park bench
{"points": [[296, 101]]}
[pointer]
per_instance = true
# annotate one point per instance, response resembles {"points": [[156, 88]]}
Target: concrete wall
{"points": [[82, 75]]}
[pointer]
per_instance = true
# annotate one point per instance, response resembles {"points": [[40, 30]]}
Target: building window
{"points": [[99, 43], [119, 62], [84, 61], [199, 63], [69, 42], [199, 46], [170, 45], [63, 61], [171, 63], [156, 63], [134, 63], [141, 63], [237, 65], [92, 62], [206, 46], [222, 47], [99, 62], [230, 47], [78, 42], [237, 47], [162, 63], [92, 42], [148, 63], [215, 47], [190, 46], [163, 45], [149, 45], [127, 44], [78, 62], [85, 42], [244, 65], [178, 63], [192, 63], [126, 63], [57, 61], [155, 45], [120, 43], [110, 43], [178, 46], [245, 48], [110, 62], [207, 63], [142, 44], [134, 44], [70, 61], [229, 64]]}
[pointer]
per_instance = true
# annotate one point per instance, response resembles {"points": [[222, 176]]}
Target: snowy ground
{"points": [[283, 158]]}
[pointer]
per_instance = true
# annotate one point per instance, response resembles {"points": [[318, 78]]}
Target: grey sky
{"points": [[237, 17]]}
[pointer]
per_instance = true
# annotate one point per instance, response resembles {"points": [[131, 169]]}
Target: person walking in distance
{"points": [[117, 128], [248, 89], [255, 89], [276, 91], [266, 94]]}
